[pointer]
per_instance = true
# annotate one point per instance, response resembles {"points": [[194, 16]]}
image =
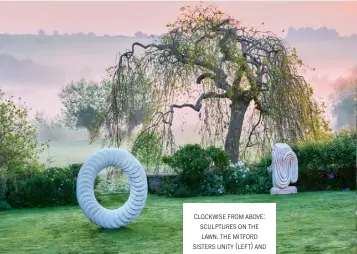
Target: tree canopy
{"points": [[19, 148], [244, 84], [345, 100], [84, 104]]}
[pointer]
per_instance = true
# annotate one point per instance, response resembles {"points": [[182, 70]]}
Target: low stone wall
{"points": [[155, 181]]}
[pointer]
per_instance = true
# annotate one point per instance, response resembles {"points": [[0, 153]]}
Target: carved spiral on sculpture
{"points": [[284, 166], [99, 215]]}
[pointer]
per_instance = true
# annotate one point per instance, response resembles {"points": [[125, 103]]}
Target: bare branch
{"points": [[197, 107], [203, 76]]}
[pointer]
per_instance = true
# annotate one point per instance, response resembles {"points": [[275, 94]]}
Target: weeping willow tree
{"points": [[244, 84]]}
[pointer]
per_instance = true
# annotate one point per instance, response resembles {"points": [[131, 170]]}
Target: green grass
{"points": [[320, 222]]}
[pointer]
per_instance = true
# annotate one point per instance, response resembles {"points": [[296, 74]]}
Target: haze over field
{"points": [[40, 51]]}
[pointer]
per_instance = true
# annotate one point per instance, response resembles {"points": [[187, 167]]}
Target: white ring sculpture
{"points": [[284, 166], [99, 215]]}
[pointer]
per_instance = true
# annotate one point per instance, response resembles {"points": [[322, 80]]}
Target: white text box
{"points": [[219, 228]]}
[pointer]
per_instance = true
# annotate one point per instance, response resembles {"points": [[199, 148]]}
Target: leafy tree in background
{"points": [[345, 101], [84, 104], [19, 149], [247, 81], [49, 129]]}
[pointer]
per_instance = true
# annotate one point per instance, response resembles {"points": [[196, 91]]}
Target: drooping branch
{"points": [[184, 58], [249, 143], [251, 67], [197, 107]]}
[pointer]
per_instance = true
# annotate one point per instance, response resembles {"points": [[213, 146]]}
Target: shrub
{"points": [[212, 184], [234, 179], [210, 173], [184, 191], [168, 188], [52, 187], [328, 164], [190, 161], [219, 157], [258, 182], [323, 165], [239, 179], [199, 171], [4, 205], [177, 188]]}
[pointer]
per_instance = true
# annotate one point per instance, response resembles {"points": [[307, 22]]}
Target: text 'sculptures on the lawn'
{"points": [[219, 228]]}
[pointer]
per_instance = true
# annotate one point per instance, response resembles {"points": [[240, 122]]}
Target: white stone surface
{"points": [[99, 215], [287, 190], [284, 168]]}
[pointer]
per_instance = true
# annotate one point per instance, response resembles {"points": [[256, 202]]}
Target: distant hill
{"points": [[77, 55], [324, 48], [13, 70], [314, 35], [87, 56], [78, 41]]}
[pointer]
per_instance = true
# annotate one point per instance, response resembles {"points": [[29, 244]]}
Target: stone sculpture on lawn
{"points": [[99, 215], [284, 169]]}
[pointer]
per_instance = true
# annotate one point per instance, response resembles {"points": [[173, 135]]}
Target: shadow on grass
{"points": [[113, 230]]}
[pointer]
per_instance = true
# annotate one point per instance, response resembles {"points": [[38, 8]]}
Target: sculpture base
{"points": [[287, 190]]}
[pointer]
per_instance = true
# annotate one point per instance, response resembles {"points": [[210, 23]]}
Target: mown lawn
{"points": [[320, 222]]}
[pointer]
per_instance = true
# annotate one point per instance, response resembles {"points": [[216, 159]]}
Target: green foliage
{"points": [[197, 40], [176, 187], [147, 148], [84, 104], [168, 187], [132, 101], [213, 174], [239, 179], [219, 157], [190, 161], [4, 205], [328, 164], [201, 172], [19, 149], [116, 184], [3, 187], [52, 187], [89, 118], [212, 184], [185, 191]]}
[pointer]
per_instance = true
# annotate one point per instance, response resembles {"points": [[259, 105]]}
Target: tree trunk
{"points": [[231, 145]]}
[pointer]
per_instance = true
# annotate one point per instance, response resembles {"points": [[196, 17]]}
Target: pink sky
{"points": [[126, 18], [151, 17]]}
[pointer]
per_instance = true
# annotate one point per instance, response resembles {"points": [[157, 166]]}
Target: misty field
{"points": [[68, 152], [317, 222]]}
